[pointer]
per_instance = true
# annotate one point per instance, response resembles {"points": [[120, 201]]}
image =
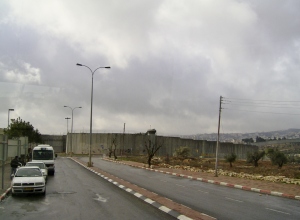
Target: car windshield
{"points": [[40, 165], [42, 155], [28, 173]]}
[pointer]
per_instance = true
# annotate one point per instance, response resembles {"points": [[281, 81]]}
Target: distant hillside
{"points": [[237, 137]]}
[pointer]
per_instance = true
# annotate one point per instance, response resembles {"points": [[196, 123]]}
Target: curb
{"points": [[262, 191], [4, 194], [161, 207]]}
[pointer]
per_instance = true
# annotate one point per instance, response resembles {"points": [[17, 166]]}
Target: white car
{"points": [[41, 165], [28, 180]]}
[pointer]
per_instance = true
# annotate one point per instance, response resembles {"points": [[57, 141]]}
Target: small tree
{"points": [[182, 152], [151, 145], [113, 147], [230, 158], [255, 157], [277, 157]]}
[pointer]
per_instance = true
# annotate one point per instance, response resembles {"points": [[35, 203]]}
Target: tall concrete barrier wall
{"points": [[58, 142], [134, 144]]}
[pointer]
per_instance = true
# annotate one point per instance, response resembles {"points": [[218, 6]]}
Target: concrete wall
{"points": [[128, 144], [58, 142]]}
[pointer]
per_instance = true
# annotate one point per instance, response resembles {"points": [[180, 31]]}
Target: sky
{"points": [[173, 65]]}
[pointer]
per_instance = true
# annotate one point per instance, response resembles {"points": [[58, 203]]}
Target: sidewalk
{"points": [[7, 180]]}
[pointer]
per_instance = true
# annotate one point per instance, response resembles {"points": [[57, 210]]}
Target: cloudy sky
{"points": [[170, 60]]}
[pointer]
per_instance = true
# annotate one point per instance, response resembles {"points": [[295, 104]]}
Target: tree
{"points": [[230, 158], [20, 128], [277, 157], [255, 157], [113, 147], [248, 140], [151, 146], [260, 139]]}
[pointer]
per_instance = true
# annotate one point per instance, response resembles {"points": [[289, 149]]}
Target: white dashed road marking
{"points": [[274, 210], [233, 199]]}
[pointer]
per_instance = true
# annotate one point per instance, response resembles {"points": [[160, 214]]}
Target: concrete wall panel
{"points": [[134, 144]]}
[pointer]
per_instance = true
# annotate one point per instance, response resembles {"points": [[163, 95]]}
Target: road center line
{"points": [[233, 199], [180, 185], [274, 210], [203, 191]]}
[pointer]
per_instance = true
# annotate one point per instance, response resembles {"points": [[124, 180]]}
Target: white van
{"points": [[44, 153]]}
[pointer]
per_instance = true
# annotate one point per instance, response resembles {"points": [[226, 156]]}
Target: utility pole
{"points": [[123, 138], [218, 138]]}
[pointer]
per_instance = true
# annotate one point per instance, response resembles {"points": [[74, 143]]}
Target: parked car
{"points": [[41, 165], [28, 179]]}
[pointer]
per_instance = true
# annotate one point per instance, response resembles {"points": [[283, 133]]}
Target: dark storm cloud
{"points": [[171, 61]]}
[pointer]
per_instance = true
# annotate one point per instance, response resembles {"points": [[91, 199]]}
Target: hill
{"points": [[292, 133]]}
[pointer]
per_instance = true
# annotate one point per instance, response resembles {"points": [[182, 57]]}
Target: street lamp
{"points": [[3, 152], [67, 130], [91, 117], [67, 124], [9, 110], [71, 128]]}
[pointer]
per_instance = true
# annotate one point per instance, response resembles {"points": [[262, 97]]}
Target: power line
{"points": [[257, 100], [253, 104], [265, 106], [262, 112]]}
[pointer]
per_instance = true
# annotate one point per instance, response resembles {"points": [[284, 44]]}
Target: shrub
{"points": [[182, 152]]}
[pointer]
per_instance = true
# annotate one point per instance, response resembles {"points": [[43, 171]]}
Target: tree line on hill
{"points": [[260, 139]]}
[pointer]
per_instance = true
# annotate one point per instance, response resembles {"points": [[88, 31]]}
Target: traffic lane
{"points": [[207, 198], [74, 193], [228, 203]]}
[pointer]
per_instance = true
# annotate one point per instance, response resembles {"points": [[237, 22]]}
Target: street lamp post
{"points": [[67, 124], [71, 128], [9, 110], [3, 152], [67, 130], [91, 117]]}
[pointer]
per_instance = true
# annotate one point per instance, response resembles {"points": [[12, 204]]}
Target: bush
{"points": [[182, 152]]}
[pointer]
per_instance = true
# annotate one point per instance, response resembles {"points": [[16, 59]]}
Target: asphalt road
{"points": [[75, 193], [217, 201]]}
